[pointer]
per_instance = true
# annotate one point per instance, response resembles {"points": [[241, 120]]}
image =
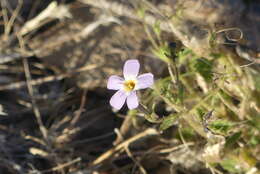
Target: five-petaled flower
{"points": [[128, 85]]}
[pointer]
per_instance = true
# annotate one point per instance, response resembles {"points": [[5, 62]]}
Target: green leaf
{"points": [[254, 140], [212, 39], [141, 12], [157, 28], [221, 126], [229, 165], [231, 140], [153, 118], [204, 68], [188, 133], [180, 93], [255, 122], [257, 81], [184, 55], [200, 112], [167, 90], [168, 121], [162, 53]]}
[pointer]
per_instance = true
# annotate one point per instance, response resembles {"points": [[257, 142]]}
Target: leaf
{"points": [[157, 28], [229, 165], [255, 122], [168, 121], [231, 140], [184, 55], [141, 12], [254, 140], [153, 118], [162, 53], [257, 81], [204, 68], [180, 93], [166, 89], [221, 126]]}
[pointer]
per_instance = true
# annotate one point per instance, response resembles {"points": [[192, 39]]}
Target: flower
{"points": [[128, 85]]}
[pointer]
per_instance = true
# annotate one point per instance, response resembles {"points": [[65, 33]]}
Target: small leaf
{"points": [[168, 121], [162, 53], [255, 122], [166, 89], [180, 93], [157, 28], [231, 140], [204, 68], [257, 81], [220, 126], [229, 165], [153, 118], [254, 140], [141, 12], [212, 39]]}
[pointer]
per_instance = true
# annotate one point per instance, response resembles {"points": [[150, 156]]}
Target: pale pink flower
{"points": [[128, 85]]}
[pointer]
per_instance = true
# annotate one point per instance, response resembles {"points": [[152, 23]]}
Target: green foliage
{"points": [[212, 39], [162, 53], [257, 81], [184, 54], [221, 126], [165, 87], [200, 112], [141, 12], [168, 121], [187, 133], [230, 165], [255, 122], [232, 139], [157, 28], [254, 140], [204, 68], [227, 89]]}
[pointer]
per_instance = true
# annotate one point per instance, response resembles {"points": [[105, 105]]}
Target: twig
{"points": [[53, 11], [34, 104], [123, 10], [9, 57], [81, 107], [171, 149], [127, 123], [135, 160], [10, 23], [126, 148], [39, 81], [61, 166], [107, 154]]}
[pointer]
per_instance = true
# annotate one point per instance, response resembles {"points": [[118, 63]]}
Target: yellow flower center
{"points": [[129, 85]]}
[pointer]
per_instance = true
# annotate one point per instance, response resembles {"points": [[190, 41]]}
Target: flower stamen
{"points": [[129, 85]]}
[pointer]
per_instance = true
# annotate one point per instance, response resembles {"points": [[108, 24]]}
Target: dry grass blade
{"points": [[123, 10], [53, 11], [60, 167], [36, 111], [39, 81], [109, 153]]}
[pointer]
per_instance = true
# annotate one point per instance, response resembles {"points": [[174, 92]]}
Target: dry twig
{"points": [[107, 154]]}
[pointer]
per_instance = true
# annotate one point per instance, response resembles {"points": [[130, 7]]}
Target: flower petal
{"points": [[131, 69], [118, 99], [132, 100], [115, 82], [144, 81]]}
